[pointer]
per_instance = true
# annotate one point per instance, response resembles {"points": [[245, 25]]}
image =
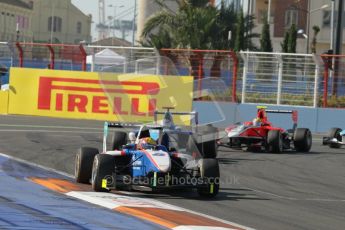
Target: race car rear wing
{"points": [[194, 114], [294, 115]]}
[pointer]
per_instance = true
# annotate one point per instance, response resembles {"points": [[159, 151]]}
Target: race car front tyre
{"points": [[205, 144], [334, 133], [119, 139], [302, 140], [209, 171], [210, 146], [274, 141], [83, 164], [102, 169]]}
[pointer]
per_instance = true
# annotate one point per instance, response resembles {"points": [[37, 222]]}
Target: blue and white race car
{"points": [[335, 138], [147, 158]]}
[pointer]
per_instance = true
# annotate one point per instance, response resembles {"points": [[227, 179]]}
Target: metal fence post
{"points": [[234, 76], [52, 57], [158, 61], [316, 80], [21, 54], [84, 55], [244, 76], [280, 79]]}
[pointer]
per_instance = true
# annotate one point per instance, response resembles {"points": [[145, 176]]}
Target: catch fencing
{"points": [[222, 75], [281, 78], [215, 71]]}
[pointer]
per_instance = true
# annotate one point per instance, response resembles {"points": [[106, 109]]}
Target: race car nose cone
{"points": [[162, 160]]}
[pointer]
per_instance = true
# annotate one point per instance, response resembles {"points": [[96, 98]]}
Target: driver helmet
{"points": [[261, 114], [257, 121], [146, 141]]}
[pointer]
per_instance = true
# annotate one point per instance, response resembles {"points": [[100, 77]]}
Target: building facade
{"points": [[59, 21], [16, 20], [285, 13]]}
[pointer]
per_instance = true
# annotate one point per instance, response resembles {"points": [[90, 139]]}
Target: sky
{"points": [[124, 10]]}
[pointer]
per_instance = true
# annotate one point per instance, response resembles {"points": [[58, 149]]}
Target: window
{"points": [[291, 16], [79, 27], [56, 23]]}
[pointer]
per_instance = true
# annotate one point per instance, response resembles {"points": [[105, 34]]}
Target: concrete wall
{"points": [[222, 114]]}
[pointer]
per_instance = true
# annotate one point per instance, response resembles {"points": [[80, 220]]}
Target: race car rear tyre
{"points": [[119, 139], [209, 170], [302, 140], [274, 141], [83, 164], [102, 168], [334, 133]]}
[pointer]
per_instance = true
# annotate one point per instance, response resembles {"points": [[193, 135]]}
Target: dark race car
{"points": [[148, 158], [335, 138], [261, 135]]}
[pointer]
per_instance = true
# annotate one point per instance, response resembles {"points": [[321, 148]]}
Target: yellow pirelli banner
{"points": [[3, 102], [99, 96]]}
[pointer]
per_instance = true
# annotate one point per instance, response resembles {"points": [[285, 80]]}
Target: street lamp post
{"points": [[114, 16], [269, 12], [309, 12], [134, 20], [331, 45]]}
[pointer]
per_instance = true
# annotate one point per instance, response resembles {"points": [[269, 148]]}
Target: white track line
{"points": [[37, 165], [293, 198]]}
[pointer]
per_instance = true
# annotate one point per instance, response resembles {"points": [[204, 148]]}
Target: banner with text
{"points": [[99, 96]]}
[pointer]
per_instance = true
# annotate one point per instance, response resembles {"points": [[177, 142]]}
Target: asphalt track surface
{"points": [[258, 190]]}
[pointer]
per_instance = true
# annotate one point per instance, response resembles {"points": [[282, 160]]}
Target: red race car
{"points": [[260, 134]]}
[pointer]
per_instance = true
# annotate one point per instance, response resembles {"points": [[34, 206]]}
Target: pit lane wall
{"points": [[222, 114], [96, 96]]}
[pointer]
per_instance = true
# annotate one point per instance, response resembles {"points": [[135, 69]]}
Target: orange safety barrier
{"points": [[333, 90], [207, 66], [51, 56]]}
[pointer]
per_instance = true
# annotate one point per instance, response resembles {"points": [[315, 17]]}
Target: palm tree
{"points": [[195, 25], [187, 26], [191, 27], [316, 30]]}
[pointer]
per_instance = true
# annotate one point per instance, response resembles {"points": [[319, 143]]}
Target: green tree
{"points": [[249, 35], [265, 40], [292, 39], [225, 22], [285, 43], [316, 30], [197, 25], [189, 27], [239, 38]]}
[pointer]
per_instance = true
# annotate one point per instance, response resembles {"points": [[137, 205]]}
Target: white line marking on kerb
{"points": [[103, 203]]}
